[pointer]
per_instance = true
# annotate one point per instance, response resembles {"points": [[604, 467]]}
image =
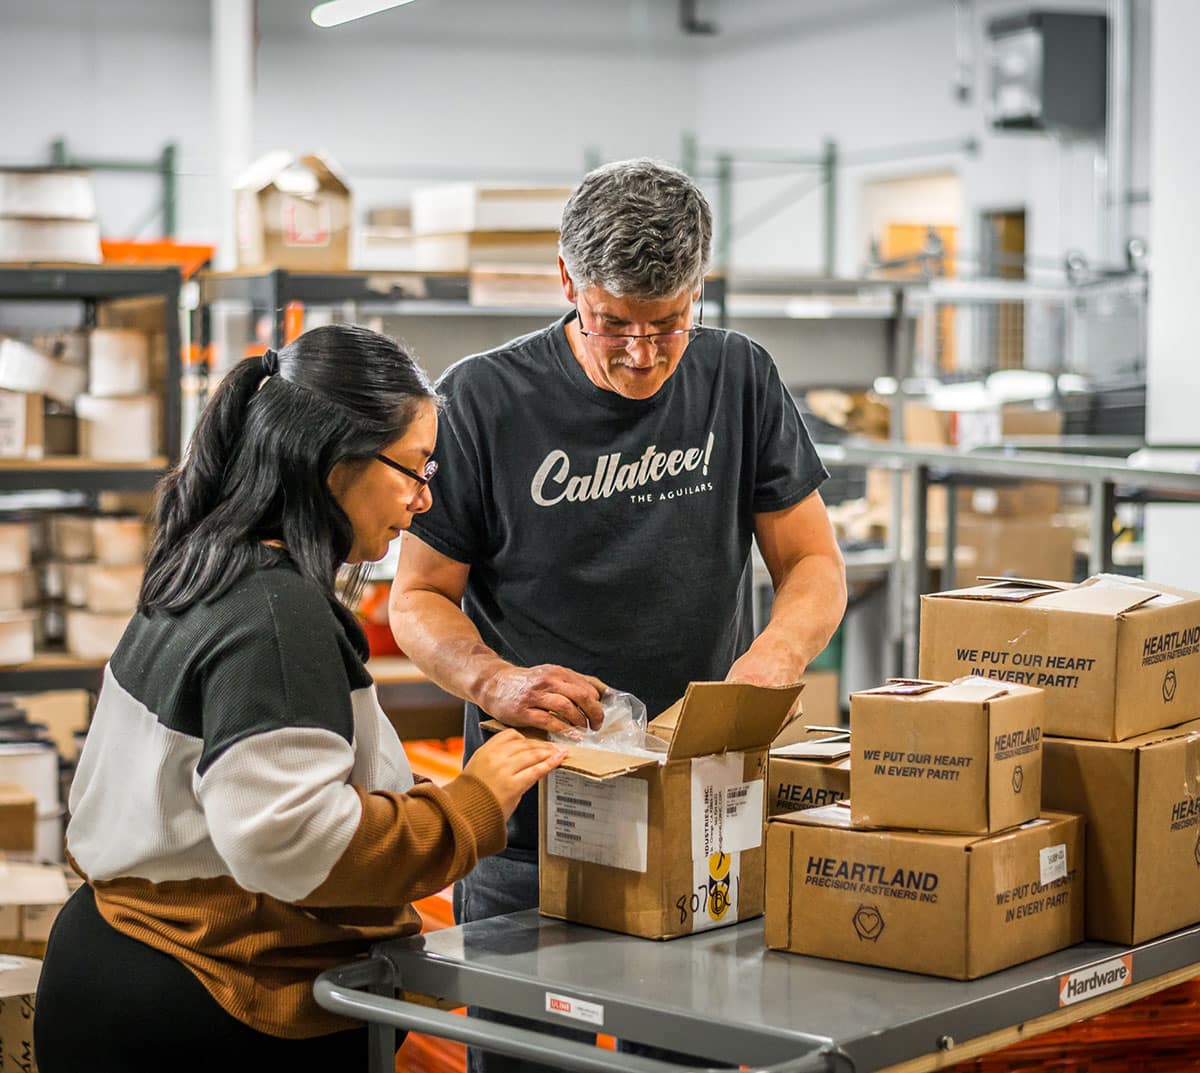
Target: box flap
{"points": [[302, 176], [716, 717], [1036, 582], [1109, 599], [904, 687], [976, 689], [260, 174], [594, 763], [329, 175], [1008, 591], [821, 749], [31, 884]]}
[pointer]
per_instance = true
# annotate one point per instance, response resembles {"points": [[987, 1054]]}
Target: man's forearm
{"points": [[809, 605], [444, 644]]}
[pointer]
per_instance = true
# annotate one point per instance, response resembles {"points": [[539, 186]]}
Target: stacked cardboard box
{"points": [[1119, 662], [665, 846], [942, 862]]}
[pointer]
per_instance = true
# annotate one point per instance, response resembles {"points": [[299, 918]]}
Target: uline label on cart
{"points": [[1095, 980], [577, 1009]]}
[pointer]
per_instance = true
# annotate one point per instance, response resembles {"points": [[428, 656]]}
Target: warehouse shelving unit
{"points": [[90, 285]]}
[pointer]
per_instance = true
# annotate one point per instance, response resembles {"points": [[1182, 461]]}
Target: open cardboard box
{"points": [[962, 757], [1141, 798], [661, 850], [959, 906], [1116, 656], [808, 770]]}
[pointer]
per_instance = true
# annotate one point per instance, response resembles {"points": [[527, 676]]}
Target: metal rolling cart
{"points": [[722, 994]]}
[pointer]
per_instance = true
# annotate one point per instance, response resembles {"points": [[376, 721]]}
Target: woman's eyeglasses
{"points": [[423, 479]]}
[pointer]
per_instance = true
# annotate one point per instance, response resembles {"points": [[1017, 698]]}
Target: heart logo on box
{"points": [[868, 923]]}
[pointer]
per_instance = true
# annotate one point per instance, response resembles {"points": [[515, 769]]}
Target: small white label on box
{"points": [[714, 897], [12, 424], [600, 822], [727, 813], [1096, 980], [1053, 860], [577, 1009]]}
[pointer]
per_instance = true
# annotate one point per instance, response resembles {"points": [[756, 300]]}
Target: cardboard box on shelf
{"points": [[118, 362], [119, 540], [662, 850], [516, 286], [964, 428], [16, 546], [18, 987], [293, 212], [959, 906], [16, 637], [808, 772], [110, 590], [64, 712], [93, 636], [30, 897], [26, 370], [459, 252], [1013, 547], [1021, 499], [1116, 657], [455, 207], [119, 429], [962, 757], [18, 818], [22, 425], [1141, 799]]}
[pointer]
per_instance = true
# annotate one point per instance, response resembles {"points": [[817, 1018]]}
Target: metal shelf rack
{"points": [[89, 285]]}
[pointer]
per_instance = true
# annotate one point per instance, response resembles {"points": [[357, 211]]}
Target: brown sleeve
{"points": [[408, 846]]}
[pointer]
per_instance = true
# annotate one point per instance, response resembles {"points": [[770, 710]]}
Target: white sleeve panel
{"points": [[280, 810]]}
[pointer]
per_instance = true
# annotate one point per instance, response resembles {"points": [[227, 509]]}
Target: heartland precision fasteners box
{"points": [[959, 906], [962, 757], [665, 849], [1141, 799], [1116, 656], [808, 773]]}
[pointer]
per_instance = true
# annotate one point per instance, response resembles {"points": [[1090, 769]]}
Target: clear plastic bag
{"points": [[623, 729]]}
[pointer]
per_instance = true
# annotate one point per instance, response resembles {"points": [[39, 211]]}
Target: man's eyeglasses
{"points": [[660, 340], [423, 479]]}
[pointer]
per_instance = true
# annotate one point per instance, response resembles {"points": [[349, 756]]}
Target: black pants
{"points": [[107, 1003]]}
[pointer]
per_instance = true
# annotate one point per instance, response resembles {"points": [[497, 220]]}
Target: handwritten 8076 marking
{"points": [[713, 895]]}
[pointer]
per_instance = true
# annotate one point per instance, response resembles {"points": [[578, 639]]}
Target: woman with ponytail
{"points": [[243, 813]]}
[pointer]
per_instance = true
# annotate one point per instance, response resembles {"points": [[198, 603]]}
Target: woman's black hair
{"points": [[258, 463]]}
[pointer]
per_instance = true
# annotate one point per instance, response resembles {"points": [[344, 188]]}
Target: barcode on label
{"points": [[1053, 863]]}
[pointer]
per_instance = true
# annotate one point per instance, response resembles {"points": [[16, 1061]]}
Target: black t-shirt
{"points": [[606, 534]]}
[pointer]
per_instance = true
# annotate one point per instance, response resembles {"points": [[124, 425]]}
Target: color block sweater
{"points": [[243, 804]]}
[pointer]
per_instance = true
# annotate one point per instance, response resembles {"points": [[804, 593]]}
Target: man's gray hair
{"points": [[638, 229]]}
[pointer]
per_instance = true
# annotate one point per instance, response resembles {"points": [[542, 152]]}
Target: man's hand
{"points": [[547, 696], [767, 662]]}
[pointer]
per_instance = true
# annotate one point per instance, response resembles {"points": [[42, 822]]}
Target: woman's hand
{"points": [[509, 764]]}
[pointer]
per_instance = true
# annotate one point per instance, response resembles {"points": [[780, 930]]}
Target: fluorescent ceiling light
{"points": [[335, 12]]}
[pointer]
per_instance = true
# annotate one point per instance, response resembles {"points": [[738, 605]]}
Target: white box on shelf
{"points": [[24, 238], [15, 544], [479, 207], [93, 636], [119, 430], [16, 637], [48, 193], [24, 369], [118, 362]]}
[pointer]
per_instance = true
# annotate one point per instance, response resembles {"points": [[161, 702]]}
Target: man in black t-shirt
{"points": [[600, 483]]}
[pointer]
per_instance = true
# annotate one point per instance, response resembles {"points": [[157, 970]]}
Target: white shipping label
{"points": [[12, 424], [575, 1008], [601, 822], [715, 883], [1053, 860], [727, 813]]}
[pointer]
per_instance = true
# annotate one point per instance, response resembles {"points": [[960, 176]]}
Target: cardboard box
{"points": [[455, 207], [110, 590], [18, 818], [16, 637], [1013, 547], [293, 212], [515, 285], [22, 426], [16, 546], [1116, 658], [808, 773], [119, 429], [969, 428], [1141, 799], [963, 758], [18, 986], [30, 897], [662, 850], [93, 636], [1022, 499], [118, 362], [960, 906]]}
